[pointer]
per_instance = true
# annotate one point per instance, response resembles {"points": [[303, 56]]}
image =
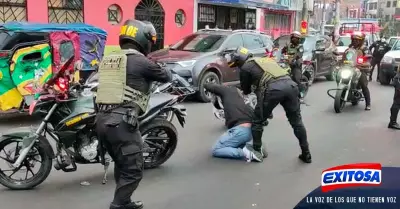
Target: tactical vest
{"points": [[271, 69], [112, 88]]}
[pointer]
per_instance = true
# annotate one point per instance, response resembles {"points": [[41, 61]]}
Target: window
{"points": [[12, 10], [206, 13], [281, 41], [388, 4], [199, 43], [180, 18], [373, 6], [66, 51], [387, 17], [234, 42], [394, 4], [344, 41], [267, 41], [70, 11], [252, 41], [114, 14]]}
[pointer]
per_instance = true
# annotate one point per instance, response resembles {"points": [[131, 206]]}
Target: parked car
{"points": [[321, 62], [201, 57], [390, 64]]}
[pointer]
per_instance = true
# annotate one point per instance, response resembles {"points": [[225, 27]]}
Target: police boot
{"points": [[394, 125], [132, 205], [305, 155]]}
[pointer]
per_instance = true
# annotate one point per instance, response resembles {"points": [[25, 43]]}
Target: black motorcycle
{"points": [[347, 76], [69, 119]]}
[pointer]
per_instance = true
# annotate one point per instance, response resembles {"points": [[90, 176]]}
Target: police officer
{"points": [[275, 87], [357, 43], [380, 48], [295, 52], [117, 124], [394, 110]]}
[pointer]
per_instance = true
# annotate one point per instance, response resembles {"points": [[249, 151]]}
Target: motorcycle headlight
{"points": [[387, 59], [345, 74], [187, 63]]}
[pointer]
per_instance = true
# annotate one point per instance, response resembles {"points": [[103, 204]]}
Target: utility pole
{"points": [[305, 10], [322, 29], [337, 18]]}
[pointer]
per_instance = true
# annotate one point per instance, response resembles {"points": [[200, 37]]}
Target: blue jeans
{"points": [[230, 144]]}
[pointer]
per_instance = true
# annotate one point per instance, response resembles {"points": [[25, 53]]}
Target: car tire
{"points": [[208, 77], [331, 75], [384, 79], [311, 76]]}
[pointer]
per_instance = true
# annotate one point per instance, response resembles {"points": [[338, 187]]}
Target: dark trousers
{"points": [[284, 92], [124, 144], [375, 62], [363, 82], [394, 110]]}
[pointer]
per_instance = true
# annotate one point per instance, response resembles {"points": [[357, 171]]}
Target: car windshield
{"points": [[344, 41], [199, 43], [396, 46], [309, 43], [392, 41], [3, 37]]}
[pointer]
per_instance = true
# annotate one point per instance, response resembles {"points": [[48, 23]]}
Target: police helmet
{"points": [[140, 33], [239, 57], [295, 34]]}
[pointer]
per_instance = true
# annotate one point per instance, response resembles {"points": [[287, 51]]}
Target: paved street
{"points": [[192, 179]]}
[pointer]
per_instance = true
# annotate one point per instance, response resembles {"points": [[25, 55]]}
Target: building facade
{"points": [[106, 14]]}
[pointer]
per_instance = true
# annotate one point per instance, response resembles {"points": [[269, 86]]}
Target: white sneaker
{"points": [[251, 154]]}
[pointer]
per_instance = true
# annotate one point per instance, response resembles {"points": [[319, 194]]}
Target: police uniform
{"points": [[275, 87], [394, 110], [123, 93], [363, 81], [380, 48]]}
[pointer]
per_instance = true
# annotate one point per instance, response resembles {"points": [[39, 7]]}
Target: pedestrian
{"points": [[275, 87], [380, 48], [394, 110], [238, 116], [117, 123]]}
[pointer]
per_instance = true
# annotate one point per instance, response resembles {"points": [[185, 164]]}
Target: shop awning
{"points": [[248, 3]]}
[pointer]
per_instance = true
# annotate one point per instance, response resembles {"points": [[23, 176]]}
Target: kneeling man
{"points": [[238, 117]]}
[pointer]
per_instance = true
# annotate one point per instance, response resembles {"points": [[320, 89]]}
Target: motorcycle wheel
{"points": [[163, 138], [339, 102], [306, 85], [29, 163], [168, 116]]}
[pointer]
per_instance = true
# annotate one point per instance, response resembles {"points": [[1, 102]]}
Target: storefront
{"points": [[277, 19], [277, 22], [217, 15], [172, 21]]}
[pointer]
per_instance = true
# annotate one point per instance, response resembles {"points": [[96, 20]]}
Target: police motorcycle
{"points": [[347, 76], [69, 120]]}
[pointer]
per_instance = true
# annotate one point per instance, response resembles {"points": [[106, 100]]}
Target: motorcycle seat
{"points": [[156, 102]]}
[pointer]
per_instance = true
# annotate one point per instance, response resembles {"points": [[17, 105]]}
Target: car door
{"points": [[231, 74]]}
